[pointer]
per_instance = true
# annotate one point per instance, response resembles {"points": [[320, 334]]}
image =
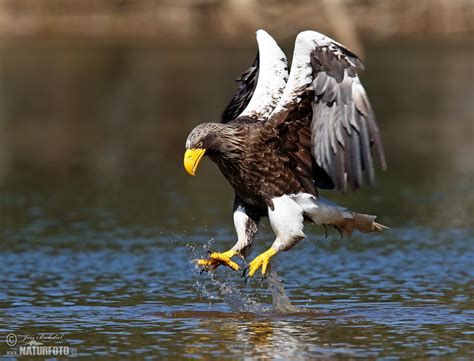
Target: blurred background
{"points": [[97, 98], [105, 92], [170, 21]]}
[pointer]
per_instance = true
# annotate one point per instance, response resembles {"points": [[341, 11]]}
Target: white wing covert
{"points": [[262, 85]]}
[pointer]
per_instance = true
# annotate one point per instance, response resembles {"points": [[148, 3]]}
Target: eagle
{"points": [[284, 136]]}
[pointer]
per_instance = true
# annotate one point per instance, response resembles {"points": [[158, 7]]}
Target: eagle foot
{"points": [[216, 259], [262, 260]]}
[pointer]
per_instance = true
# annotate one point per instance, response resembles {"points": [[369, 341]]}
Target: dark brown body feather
{"points": [[263, 169]]}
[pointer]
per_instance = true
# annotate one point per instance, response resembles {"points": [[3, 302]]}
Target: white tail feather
{"points": [[324, 212]]}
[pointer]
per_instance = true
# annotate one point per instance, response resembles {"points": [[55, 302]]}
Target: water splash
{"points": [[281, 302], [238, 302], [232, 292]]}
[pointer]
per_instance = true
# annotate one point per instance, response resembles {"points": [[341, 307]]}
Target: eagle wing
{"points": [[247, 84], [262, 85], [325, 100]]}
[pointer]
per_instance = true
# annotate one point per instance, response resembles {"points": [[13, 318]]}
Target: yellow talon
{"points": [[262, 260], [216, 259]]}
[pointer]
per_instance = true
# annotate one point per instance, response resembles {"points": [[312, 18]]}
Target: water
{"points": [[100, 224]]}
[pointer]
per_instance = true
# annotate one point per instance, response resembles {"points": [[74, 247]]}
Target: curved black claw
{"points": [[245, 275], [202, 270]]}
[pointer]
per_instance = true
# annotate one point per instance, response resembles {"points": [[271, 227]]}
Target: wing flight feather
{"points": [[342, 122]]}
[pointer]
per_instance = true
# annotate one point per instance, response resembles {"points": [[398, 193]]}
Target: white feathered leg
{"points": [[286, 219], [246, 226], [287, 222]]}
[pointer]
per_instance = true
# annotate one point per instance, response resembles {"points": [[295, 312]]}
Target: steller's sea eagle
{"points": [[282, 137]]}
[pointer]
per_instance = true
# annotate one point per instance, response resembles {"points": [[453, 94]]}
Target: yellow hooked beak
{"points": [[192, 157]]}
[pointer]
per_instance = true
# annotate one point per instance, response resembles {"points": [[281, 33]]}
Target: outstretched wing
{"points": [[262, 85], [325, 93]]}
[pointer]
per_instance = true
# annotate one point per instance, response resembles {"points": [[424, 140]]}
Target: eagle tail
{"points": [[324, 212], [366, 223], [379, 227]]}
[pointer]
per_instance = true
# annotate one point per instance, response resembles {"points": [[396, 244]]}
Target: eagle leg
{"points": [[262, 260], [216, 259]]}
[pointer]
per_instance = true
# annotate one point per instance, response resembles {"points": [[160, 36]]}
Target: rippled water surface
{"points": [[99, 223]]}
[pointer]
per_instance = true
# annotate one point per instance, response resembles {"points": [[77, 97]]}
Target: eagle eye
{"points": [[199, 145]]}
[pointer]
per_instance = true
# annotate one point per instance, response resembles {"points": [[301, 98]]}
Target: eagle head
{"points": [[214, 139]]}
